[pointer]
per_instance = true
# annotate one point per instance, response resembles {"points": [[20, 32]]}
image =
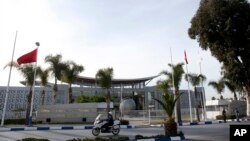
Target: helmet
{"points": [[110, 112]]}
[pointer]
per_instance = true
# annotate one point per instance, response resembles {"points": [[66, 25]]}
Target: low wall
{"points": [[61, 113]]}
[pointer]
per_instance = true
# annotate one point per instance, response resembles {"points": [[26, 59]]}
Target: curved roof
{"points": [[90, 80], [84, 79]]}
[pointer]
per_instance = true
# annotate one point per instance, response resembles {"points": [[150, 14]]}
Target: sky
{"points": [[134, 37]]}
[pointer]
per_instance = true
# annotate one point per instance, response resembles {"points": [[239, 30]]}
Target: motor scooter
{"points": [[97, 129]]}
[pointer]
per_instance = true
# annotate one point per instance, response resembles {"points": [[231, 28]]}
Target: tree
{"points": [[176, 77], [56, 67], [70, 74], [223, 27], [27, 72], [104, 79], [195, 80], [232, 87], [218, 86], [168, 102], [43, 75]]}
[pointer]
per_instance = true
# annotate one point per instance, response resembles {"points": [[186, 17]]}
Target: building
{"points": [[215, 107], [136, 89]]}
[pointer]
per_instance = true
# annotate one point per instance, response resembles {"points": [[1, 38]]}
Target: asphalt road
{"points": [[208, 132]]}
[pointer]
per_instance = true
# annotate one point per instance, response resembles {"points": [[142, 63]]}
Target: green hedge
{"points": [[15, 121], [33, 139], [124, 122], [19, 121], [87, 99], [220, 117]]}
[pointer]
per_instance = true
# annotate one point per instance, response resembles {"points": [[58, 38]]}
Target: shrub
{"points": [[122, 138], [81, 139], [137, 137], [124, 122], [220, 117], [86, 99], [19, 121], [103, 139], [15, 121], [33, 139], [231, 116], [149, 137]]}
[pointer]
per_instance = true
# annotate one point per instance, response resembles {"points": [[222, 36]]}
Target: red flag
{"points": [[28, 58], [185, 57]]}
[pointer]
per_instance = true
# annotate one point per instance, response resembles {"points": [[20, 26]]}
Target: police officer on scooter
{"points": [[110, 122]]}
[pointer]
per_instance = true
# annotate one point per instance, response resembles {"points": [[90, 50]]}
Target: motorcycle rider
{"points": [[110, 122]]}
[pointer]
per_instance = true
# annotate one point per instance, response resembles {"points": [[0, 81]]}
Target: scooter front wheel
{"points": [[95, 131], [116, 131]]}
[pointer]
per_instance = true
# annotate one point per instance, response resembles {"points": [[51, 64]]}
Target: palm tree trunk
{"points": [[178, 108], [197, 105], [55, 89], [70, 95], [43, 95], [170, 127], [197, 113], [235, 96], [28, 106], [108, 100]]}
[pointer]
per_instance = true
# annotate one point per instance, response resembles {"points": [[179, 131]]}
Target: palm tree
{"points": [[27, 71], [218, 86], [56, 67], [43, 75], [104, 79], [168, 103], [195, 80], [175, 77], [70, 74], [232, 87]]}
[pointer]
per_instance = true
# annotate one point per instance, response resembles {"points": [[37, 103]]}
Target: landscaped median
{"points": [[159, 138]]}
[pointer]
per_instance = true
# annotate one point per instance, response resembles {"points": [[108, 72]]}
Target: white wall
{"points": [[70, 112]]}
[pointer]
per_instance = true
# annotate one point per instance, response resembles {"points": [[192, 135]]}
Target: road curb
{"points": [[88, 127], [190, 123]]}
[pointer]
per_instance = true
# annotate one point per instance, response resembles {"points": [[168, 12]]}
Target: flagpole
{"points": [[8, 85], [175, 110], [189, 95], [33, 88]]}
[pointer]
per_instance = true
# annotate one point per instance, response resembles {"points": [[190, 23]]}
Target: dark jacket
{"points": [[110, 119]]}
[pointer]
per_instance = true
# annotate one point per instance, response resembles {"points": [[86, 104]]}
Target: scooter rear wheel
{"points": [[95, 131]]}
